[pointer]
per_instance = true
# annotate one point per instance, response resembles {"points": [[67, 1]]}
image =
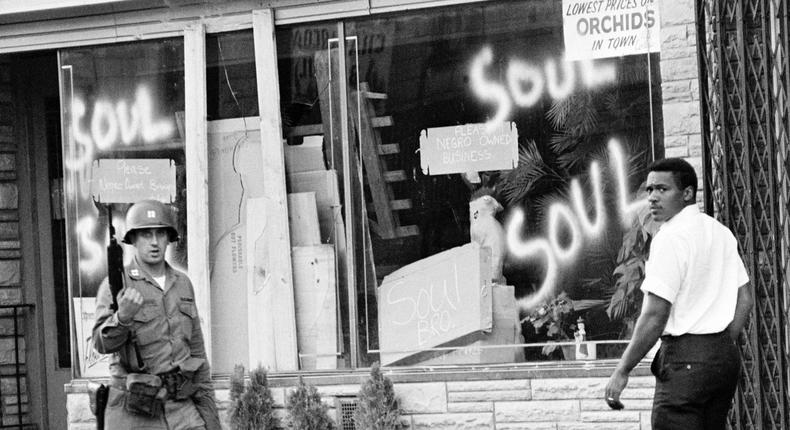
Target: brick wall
{"points": [[10, 254], [509, 404]]}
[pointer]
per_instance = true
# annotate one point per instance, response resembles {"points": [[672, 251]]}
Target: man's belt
{"points": [[670, 338]]}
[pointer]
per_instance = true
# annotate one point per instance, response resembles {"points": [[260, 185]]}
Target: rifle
{"points": [[98, 393], [115, 276], [114, 263]]}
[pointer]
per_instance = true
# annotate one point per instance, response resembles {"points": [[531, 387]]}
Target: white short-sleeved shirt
{"points": [[694, 264]]}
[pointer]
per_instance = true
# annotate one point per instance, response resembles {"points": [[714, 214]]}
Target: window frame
{"points": [[192, 24]]}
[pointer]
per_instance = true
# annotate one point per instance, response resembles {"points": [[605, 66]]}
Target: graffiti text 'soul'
{"points": [[113, 123], [576, 220], [526, 83]]}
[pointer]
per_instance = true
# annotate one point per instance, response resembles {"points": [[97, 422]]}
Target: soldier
{"points": [[160, 377]]}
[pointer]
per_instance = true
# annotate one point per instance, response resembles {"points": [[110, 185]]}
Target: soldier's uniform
{"points": [[169, 340], [168, 335]]}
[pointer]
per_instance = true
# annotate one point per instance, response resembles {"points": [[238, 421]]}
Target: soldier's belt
{"points": [[175, 384], [178, 385], [145, 394]]}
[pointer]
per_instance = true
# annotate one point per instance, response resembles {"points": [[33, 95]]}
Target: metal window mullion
{"points": [[705, 120], [721, 57], [774, 234], [743, 122], [748, 211], [718, 13], [348, 201], [784, 37], [748, 247], [66, 95]]}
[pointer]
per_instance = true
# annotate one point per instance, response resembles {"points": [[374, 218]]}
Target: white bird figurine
{"points": [[485, 230]]}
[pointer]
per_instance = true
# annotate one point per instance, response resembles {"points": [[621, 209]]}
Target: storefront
{"points": [[321, 158]]}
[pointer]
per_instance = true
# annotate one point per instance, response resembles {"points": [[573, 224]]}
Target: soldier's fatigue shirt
{"points": [[167, 328]]}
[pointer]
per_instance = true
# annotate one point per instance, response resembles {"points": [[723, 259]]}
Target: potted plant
{"points": [[378, 408], [555, 316], [305, 409], [251, 406]]}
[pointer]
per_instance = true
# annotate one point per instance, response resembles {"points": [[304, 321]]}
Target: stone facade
{"points": [[680, 83], [509, 404], [544, 402], [10, 259]]}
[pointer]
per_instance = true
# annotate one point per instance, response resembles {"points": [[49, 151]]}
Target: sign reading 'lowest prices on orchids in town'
{"points": [[468, 148], [610, 28]]}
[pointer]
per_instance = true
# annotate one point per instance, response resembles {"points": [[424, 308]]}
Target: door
{"points": [[42, 235]]}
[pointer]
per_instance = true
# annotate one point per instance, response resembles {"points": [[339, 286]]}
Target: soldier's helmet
{"points": [[150, 214]]}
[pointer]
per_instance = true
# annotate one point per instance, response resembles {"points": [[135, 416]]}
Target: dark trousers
{"points": [[696, 376]]}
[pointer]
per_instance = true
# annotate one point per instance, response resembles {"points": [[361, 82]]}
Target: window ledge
{"points": [[548, 370]]}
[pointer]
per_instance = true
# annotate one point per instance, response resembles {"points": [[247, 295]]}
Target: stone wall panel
{"points": [[537, 411]]}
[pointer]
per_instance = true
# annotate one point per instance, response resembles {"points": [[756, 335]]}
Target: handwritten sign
{"points": [[127, 180], [468, 148], [91, 362], [610, 28], [434, 302]]}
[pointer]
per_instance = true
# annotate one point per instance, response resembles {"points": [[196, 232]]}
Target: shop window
{"points": [[230, 75], [123, 111], [449, 105], [234, 177]]}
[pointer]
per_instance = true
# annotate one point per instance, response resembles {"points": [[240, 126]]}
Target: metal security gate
{"points": [[744, 48]]}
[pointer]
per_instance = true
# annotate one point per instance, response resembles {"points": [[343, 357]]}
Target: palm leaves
{"points": [[630, 271], [531, 172], [576, 114]]}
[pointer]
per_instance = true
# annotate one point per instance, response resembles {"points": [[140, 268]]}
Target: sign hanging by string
{"points": [[468, 148], [127, 180]]}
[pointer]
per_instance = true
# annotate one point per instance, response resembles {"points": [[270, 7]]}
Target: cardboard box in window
{"points": [[444, 300], [496, 346], [315, 299], [307, 157]]}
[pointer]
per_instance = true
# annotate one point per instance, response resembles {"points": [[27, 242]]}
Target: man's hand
{"points": [[649, 326], [743, 307], [129, 302], [615, 387]]}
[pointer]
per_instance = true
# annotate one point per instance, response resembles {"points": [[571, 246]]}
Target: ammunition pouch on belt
{"points": [[145, 395], [178, 384]]}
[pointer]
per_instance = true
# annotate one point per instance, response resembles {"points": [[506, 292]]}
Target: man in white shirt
{"points": [[697, 298]]}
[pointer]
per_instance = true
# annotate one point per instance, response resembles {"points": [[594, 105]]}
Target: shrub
{"points": [[252, 407], [378, 408], [305, 409]]}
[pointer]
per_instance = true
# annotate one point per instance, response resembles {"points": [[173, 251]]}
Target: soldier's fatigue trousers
{"points": [[178, 415]]}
